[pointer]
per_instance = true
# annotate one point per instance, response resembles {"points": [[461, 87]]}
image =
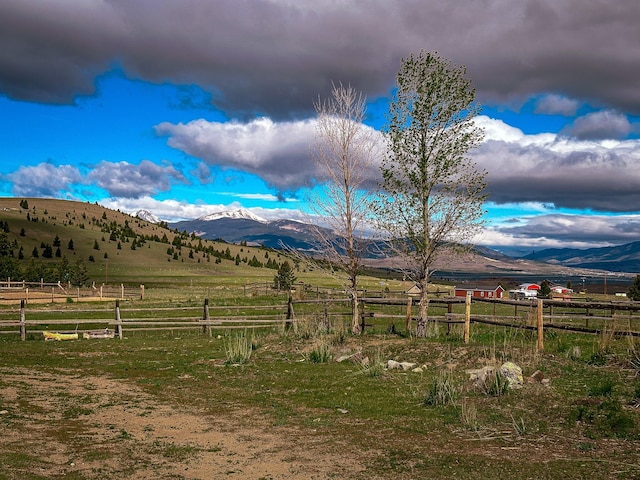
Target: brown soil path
{"points": [[67, 425]]}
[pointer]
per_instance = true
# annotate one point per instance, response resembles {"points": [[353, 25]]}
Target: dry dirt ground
{"points": [[69, 426]]}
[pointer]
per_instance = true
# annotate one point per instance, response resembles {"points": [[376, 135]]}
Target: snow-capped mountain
{"points": [[238, 214], [147, 216]]}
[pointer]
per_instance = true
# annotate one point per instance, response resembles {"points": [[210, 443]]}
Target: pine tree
{"points": [[285, 278], [634, 290]]}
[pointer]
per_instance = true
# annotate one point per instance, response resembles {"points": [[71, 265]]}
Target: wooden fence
{"points": [[11, 291], [620, 318]]}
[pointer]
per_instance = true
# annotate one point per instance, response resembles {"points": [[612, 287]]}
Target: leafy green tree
{"points": [[285, 277], [634, 290], [432, 195]]}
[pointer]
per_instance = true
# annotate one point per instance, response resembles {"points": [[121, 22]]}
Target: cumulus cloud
{"points": [[277, 152], [557, 105], [600, 125], [275, 57], [547, 168], [566, 172], [123, 179], [44, 180]]}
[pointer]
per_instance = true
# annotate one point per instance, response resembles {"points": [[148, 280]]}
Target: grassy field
{"points": [[276, 403]]}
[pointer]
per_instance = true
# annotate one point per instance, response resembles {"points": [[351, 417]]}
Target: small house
{"points": [[479, 292]]}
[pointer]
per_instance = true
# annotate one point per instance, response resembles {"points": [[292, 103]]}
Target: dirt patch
{"points": [[98, 427]]}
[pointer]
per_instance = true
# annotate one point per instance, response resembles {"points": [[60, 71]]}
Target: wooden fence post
{"points": [[467, 317], [118, 320], [141, 292], [206, 327], [122, 291], [289, 322], [449, 311], [540, 326], [23, 326], [407, 321]]}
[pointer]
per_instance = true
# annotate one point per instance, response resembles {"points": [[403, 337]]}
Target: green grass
{"points": [[382, 417]]}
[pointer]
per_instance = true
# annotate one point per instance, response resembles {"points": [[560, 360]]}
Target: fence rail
{"points": [[616, 317], [11, 291]]}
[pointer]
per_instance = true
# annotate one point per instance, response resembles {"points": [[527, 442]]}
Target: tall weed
{"points": [[444, 390], [238, 348]]}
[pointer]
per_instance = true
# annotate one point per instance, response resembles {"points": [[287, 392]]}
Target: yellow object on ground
{"points": [[59, 336]]}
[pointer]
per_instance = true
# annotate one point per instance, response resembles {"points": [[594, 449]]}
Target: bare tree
{"points": [[432, 194], [344, 153]]}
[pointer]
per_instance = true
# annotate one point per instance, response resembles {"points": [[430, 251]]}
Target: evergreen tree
{"points": [[79, 275], [285, 278], [70, 244], [64, 270], [545, 290], [47, 251], [634, 290]]}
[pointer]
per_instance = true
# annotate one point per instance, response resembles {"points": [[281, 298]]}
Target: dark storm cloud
{"points": [[600, 125], [275, 57], [562, 171], [123, 179], [584, 229]]}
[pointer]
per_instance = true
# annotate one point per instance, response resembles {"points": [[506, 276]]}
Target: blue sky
{"points": [[187, 108]]}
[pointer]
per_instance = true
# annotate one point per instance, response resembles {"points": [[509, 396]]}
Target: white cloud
{"points": [[44, 180], [123, 179], [277, 152]]}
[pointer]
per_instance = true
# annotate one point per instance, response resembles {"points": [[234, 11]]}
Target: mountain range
{"points": [[237, 226]]}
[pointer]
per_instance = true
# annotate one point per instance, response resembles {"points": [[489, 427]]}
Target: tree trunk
{"points": [[423, 308], [356, 328]]}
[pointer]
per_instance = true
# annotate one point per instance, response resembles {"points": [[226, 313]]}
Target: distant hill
{"points": [[37, 236], [238, 226], [620, 258]]}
